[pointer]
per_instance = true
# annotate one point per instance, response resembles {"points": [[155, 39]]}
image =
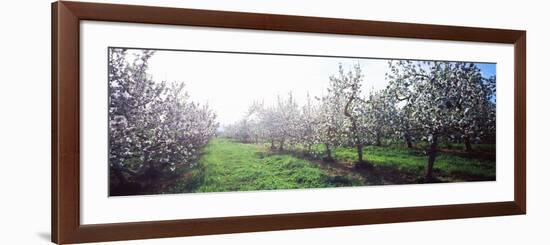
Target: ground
{"points": [[227, 165]]}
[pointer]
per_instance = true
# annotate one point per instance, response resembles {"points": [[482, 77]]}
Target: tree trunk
{"points": [[432, 151], [408, 141], [329, 153], [281, 144], [357, 142], [468, 144], [378, 143], [360, 152], [272, 144], [354, 129]]}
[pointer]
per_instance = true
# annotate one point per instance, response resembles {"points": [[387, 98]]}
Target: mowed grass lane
{"points": [[233, 166]]}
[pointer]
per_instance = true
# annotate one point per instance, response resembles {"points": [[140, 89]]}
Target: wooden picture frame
{"points": [[65, 174]]}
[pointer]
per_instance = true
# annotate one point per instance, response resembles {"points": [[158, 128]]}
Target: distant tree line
{"points": [[424, 101]]}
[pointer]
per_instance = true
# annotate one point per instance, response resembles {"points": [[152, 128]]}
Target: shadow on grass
{"points": [[388, 174], [366, 173]]}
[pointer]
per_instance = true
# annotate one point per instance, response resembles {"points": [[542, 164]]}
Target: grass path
{"points": [[232, 166]]}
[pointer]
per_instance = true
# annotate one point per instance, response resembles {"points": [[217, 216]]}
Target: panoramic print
{"points": [[187, 121]]}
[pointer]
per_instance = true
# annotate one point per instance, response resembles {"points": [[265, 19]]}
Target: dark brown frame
{"points": [[66, 227]]}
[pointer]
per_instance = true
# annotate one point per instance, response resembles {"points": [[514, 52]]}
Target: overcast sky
{"points": [[229, 83]]}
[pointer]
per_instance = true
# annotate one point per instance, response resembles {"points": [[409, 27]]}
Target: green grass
{"points": [[226, 165], [233, 166], [457, 168]]}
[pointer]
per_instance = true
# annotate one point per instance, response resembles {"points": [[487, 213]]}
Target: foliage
{"points": [[445, 99], [155, 132]]}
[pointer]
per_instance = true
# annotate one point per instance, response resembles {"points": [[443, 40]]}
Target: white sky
{"points": [[229, 83]]}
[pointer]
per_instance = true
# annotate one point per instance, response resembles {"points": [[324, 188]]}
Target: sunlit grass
{"points": [[228, 165], [414, 160], [233, 166]]}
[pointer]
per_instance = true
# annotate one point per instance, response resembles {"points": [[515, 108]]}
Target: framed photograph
{"points": [[177, 122]]}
